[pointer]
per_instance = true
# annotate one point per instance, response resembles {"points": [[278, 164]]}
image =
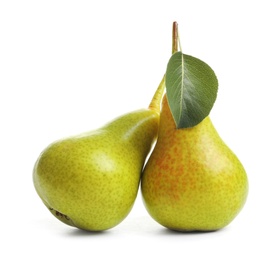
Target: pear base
{"points": [[191, 231]]}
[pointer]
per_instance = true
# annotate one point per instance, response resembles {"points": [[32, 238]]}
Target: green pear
{"points": [[192, 180], [91, 180]]}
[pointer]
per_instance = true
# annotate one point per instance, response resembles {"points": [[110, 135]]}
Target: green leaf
{"points": [[191, 87]]}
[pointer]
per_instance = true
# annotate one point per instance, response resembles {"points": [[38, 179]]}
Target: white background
{"points": [[70, 66]]}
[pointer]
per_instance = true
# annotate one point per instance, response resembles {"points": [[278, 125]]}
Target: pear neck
{"points": [[137, 129], [129, 125]]}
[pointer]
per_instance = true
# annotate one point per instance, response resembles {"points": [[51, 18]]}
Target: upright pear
{"points": [[91, 180], [192, 180]]}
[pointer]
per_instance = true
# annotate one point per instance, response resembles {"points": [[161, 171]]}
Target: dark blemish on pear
{"points": [[59, 214]]}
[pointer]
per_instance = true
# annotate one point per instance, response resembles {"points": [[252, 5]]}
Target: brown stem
{"points": [[174, 37]]}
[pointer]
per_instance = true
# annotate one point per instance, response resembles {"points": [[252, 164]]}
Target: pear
{"points": [[90, 181], [192, 180]]}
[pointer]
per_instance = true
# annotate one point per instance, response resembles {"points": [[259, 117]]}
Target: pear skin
{"points": [[192, 180], [91, 181]]}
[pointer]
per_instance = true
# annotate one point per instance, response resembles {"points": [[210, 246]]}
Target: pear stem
{"points": [[175, 37], [155, 103]]}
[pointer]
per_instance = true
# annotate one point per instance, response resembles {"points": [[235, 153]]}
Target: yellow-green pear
{"points": [[192, 180], [91, 180]]}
